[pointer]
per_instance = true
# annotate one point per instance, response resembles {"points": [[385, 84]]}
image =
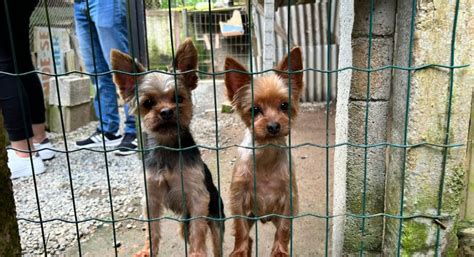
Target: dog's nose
{"points": [[273, 128], [166, 113]]}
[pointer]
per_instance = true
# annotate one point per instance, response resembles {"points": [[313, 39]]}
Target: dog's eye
{"points": [[148, 103], [256, 110], [179, 99], [284, 106]]}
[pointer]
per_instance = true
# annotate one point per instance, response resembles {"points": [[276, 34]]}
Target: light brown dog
{"points": [[164, 106], [272, 117]]}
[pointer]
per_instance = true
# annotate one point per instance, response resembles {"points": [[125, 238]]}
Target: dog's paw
{"points": [[279, 254], [197, 255], [240, 253], [142, 253]]}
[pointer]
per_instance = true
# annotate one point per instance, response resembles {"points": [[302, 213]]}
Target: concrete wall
{"points": [[427, 123], [368, 171]]}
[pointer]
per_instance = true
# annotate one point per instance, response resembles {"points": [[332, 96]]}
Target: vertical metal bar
{"points": [[137, 29], [290, 161], [145, 30], [249, 3], [405, 132], [142, 144], [96, 78], [366, 128], [221, 228], [22, 106], [62, 127], [448, 123], [328, 100], [178, 126]]}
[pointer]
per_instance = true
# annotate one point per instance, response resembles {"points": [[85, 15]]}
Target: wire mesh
{"points": [[203, 27], [205, 31]]}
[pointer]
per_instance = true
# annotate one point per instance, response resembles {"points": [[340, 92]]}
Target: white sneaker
{"points": [[21, 167], [44, 150]]}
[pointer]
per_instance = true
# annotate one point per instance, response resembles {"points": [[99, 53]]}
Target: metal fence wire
{"points": [[49, 13]]}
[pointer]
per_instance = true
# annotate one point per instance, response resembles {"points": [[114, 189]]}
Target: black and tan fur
{"points": [[271, 124], [158, 107]]}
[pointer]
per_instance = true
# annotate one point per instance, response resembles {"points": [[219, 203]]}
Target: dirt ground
{"points": [[309, 232]]}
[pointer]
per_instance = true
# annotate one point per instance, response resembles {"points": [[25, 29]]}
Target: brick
{"points": [[73, 90], [383, 19], [382, 49], [74, 117], [375, 175]]}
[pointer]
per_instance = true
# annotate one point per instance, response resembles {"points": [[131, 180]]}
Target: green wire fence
{"points": [[327, 216]]}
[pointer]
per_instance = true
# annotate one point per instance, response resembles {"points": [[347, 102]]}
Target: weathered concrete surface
{"points": [[427, 122], [374, 176], [9, 236], [73, 90], [73, 116], [469, 201], [346, 20], [380, 81], [383, 18], [466, 240], [361, 171]]}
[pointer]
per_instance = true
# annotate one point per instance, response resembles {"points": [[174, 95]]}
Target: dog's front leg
{"points": [[243, 242], [155, 208], [198, 207], [282, 235]]}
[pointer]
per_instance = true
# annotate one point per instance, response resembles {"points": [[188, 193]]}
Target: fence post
{"points": [[423, 169], [9, 236]]}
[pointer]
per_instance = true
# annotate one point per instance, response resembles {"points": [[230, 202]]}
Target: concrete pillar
{"points": [[427, 123], [346, 21], [9, 236], [268, 36], [378, 105]]}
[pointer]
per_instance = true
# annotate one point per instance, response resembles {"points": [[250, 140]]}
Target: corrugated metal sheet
{"points": [[309, 30]]}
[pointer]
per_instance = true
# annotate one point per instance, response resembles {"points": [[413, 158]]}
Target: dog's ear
{"points": [[290, 63], [126, 83], [187, 60], [235, 80]]}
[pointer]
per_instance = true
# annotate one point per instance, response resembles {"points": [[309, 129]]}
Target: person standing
{"points": [[21, 97], [100, 26]]}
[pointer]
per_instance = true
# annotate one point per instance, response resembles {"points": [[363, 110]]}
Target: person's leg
{"points": [[13, 99], [33, 89], [95, 62], [130, 126], [113, 33], [34, 92]]}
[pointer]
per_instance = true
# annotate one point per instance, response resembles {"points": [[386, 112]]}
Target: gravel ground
{"points": [[91, 190]]}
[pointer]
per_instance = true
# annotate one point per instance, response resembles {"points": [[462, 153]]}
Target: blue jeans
{"points": [[107, 29]]}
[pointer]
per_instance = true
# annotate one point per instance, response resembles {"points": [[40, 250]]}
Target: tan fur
{"points": [[164, 190], [157, 92], [271, 171]]}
